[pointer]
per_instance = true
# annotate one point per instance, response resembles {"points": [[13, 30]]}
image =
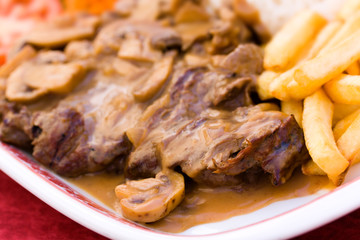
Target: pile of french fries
{"points": [[313, 66]]}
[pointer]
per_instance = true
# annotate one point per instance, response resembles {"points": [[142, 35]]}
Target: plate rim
{"points": [[21, 168]]}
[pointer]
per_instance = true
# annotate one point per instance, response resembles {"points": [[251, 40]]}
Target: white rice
{"points": [[274, 13]]}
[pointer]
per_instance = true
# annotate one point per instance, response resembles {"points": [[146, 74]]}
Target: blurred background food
{"points": [[274, 13], [92, 6], [17, 17]]}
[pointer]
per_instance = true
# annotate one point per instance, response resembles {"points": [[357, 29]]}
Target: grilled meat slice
{"points": [[192, 92], [213, 144], [15, 127], [66, 144], [231, 144]]}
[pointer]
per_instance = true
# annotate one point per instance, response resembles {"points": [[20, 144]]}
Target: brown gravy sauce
{"points": [[204, 204]]}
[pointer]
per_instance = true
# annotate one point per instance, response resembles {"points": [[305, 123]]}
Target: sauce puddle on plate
{"points": [[204, 204]]}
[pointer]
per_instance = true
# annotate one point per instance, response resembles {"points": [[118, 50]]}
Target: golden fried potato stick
{"points": [[293, 108], [356, 158], [319, 138], [344, 89], [279, 86], [344, 124], [349, 8], [263, 84], [343, 110], [315, 72], [349, 142], [354, 68], [288, 43], [350, 26], [311, 169], [323, 38]]}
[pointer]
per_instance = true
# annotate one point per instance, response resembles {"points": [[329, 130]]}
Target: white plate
{"points": [[284, 219]]}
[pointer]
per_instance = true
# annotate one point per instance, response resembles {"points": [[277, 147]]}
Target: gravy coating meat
{"points": [[163, 93], [213, 145], [92, 98]]}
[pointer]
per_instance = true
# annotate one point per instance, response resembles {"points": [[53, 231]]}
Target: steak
{"points": [[192, 92], [138, 95], [15, 127], [85, 132], [190, 128], [159, 91]]}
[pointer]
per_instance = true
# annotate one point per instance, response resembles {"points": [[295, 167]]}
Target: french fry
{"points": [[344, 89], [293, 108], [348, 28], [323, 38], [349, 142], [319, 138], [287, 44], [278, 87], [321, 69], [311, 169], [263, 84], [354, 68], [343, 110], [356, 158], [349, 8], [351, 25], [344, 124], [297, 91]]}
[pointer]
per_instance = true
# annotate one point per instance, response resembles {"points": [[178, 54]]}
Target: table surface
{"points": [[24, 216]]}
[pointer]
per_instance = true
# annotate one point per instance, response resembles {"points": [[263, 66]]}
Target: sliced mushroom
{"points": [[250, 15], [32, 80], [245, 59], [165, 40], [154, 82], [63, 30], [50, 57], [145, 11], [226, 35], [24, 54], [169, 6], [151, 199], [16, 88], [196, 60], [124, 7], [56, 78], [134, 47], [191, 32], [125, 68], [190, 12], [76, 50], [135, 40]]}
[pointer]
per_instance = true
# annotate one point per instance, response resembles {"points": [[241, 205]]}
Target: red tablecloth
{"points": [[23, 216]]}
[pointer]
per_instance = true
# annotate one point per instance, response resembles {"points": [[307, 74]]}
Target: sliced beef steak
{"points": [[193, 91], [15, 127], [231, 144], [189, 128], [86, 131], [82, 129], [67, 146]]}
